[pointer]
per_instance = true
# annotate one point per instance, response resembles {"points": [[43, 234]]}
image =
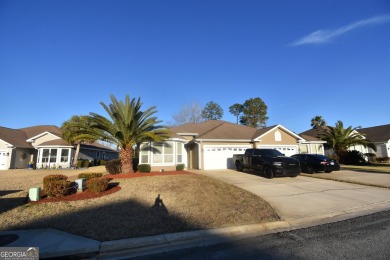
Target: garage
{"points": [[220, 156], [287, 150]]}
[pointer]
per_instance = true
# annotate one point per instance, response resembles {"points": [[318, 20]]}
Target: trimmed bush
{"points": [[114, 166], [57, 185], [86, 163], [97, 185], [144, 167], [53, 177], [180, 167], [89, 175], [102, 162]]}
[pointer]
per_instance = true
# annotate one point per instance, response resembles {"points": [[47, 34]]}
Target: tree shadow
{"points": [[6, 192], [7, 204], [115, 220]]}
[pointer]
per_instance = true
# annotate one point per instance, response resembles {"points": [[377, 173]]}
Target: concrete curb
{"points": [[134, 247]]}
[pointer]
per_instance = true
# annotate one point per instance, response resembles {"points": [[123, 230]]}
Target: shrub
{"points": [[53, 177], [352, 157], [80, 164], [97, 185], [102, 162], [144, 167], [89, 175], [57, 185], [382, 159], [180, 167], [114, 166]]}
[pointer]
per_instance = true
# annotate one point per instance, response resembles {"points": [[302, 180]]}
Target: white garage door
{"points": [[220, 157], [287, 150], [3, 160]]}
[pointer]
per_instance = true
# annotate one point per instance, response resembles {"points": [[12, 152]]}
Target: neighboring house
{"points": [[380, 136], [211, 145], [44, 145]]}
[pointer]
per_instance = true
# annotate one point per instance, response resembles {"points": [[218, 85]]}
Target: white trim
{"points": [[7, 144], [226, 140], [191, 134]]}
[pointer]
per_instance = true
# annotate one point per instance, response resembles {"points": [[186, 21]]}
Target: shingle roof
{"points": [[377, 133], [218, 129], [36, 130], [15, 137], [18, 137], [314, 132], [60, 142]]}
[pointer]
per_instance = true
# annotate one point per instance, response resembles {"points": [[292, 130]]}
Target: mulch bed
{"points": [[114, 187], [87, 194]]}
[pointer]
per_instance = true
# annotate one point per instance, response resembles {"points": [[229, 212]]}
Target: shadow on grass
{"points": [[117, 220], [7, 204], [6, 192]]}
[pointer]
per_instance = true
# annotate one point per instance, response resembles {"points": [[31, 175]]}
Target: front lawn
{"points": [[383, 168], [144, 206]]}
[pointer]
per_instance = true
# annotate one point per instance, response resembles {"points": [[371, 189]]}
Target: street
{"points": [[366, 237]]}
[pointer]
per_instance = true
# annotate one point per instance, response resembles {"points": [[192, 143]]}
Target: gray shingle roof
{"points": [[377, 133]]}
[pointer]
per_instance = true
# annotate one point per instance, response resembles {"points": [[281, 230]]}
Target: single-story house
{"points": [[211, 145], [44, 145], [380, 136]]}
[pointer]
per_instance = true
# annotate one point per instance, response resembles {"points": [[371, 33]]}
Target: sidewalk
{"points": [[300, 202]]}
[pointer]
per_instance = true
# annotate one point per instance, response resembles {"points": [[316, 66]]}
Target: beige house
{"points": [[44, 145], [211, 145]]}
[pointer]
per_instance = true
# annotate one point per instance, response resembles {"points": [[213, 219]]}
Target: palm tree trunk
{"points": [[76, 155], [126, 156]]}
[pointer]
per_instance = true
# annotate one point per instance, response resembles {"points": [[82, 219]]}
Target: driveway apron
{"points": [[303, 199]]}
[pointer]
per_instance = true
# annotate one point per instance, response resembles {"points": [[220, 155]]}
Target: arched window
{"points": [[278, 136]]}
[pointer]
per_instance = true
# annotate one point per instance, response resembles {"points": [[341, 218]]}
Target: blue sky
{"points": [[303, 58]]}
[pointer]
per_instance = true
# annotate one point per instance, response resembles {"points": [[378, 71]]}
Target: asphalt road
{"points": [[366, 237]]}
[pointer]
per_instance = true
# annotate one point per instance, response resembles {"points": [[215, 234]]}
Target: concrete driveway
{"points": [[305, 201]]}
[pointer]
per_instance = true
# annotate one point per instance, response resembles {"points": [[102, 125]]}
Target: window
{"points": [[53, 155], [179, 152], [278, 136], [163, 152], [144, 153], [64, 155], [168, 152], [157, 153], [45, 155]]}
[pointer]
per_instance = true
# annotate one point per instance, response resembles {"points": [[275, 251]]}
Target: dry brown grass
{"points": [[187, 202]]}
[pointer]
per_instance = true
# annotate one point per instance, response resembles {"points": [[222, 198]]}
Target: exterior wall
{"points": [[45, 138], [382, 149], [271, 139], [20, 158], [91, 155]]}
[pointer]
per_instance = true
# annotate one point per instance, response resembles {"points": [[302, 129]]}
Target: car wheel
{"points": [[239, 167], [268, 172], [309, 169]]}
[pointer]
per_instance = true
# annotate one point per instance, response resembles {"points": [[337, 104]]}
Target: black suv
{"points": [[311, 163]]}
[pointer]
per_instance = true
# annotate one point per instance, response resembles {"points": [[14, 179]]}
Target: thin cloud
{"points": [[323, 36]]}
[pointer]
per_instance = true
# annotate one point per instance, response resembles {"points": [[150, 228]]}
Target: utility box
{"points": [[34, 194], [80, 184]]}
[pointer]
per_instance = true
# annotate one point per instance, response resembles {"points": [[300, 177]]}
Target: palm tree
{"points": [[340, 138], [317, 121], [128, 126], [77, 130]]}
